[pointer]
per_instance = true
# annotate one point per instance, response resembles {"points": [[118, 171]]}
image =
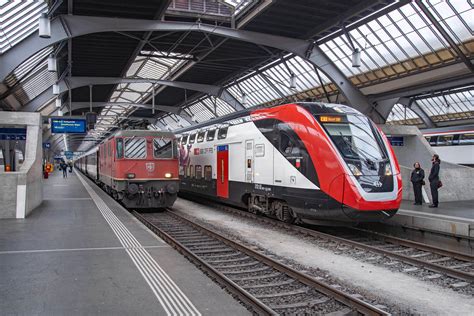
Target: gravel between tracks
{"points": [[408, 293]]}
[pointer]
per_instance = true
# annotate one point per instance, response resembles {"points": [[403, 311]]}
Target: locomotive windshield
{"points": [[164, 148], [361, 146], [355, 138]]}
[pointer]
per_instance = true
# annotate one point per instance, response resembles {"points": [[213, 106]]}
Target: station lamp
{"points": [[58, 102], [356, 58], [55, 89], [52, 65], [44, 26], [292, 81], [244, 99]]}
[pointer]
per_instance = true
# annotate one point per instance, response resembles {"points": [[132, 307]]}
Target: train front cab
{"points": [[364, 186], [140, 171]]}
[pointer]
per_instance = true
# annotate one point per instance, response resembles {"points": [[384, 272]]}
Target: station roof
{"points": [[403, 52]]}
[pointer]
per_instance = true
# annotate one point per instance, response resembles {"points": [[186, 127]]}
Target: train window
{"points": [[135, 148], [207, 173], [163, 148], [109, 148], [198, 172], [433, 140], [192, 138], [200, 137], [466, 139], [119, 149], [259, 150], [222, 134], [211, 134], [445, 140]]}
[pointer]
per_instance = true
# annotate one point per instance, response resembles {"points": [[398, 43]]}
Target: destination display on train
{"points": [[68, 125]]}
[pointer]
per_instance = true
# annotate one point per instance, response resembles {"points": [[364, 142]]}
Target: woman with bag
{"points": [[417, 179], [435, 183]]}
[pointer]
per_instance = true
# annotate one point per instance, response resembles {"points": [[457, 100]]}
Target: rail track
{"points": [[438, 260], [268, 287]]}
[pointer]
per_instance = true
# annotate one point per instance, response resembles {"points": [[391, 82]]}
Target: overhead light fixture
{"points": [[58, 102], [356, 58], [55, 89], [292, 81], [52, 66], [44, 26], [244, 98]]}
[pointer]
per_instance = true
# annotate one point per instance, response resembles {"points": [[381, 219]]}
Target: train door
{"points": [[249, 161], [223, 171], [112, 158]]}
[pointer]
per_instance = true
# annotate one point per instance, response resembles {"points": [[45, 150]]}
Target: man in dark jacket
{"points": [[434, 180], [417, 177]]}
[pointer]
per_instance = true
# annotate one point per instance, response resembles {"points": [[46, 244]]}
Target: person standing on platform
{"points": [[64, 169], [434, 179], [417, 179]]}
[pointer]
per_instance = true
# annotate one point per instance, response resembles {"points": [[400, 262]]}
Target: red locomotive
{"points": [[137, 167]]}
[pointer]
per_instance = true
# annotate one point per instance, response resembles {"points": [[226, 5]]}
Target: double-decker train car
{"points": [[453, 144], [311, 162], [137, 167]]}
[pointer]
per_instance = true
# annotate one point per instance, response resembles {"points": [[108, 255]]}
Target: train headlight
{"points": [[168, 175], [388, 169], [130, 176], [355, 171]]}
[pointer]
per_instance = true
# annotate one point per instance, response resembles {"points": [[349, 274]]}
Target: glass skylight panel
{"points": [[18, 19], [454, 102], [401, 113]]}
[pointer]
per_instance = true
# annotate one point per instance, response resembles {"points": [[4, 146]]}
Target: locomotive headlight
{"points": [[388, 169], [168, 175], [130, 176], [355, 171]]}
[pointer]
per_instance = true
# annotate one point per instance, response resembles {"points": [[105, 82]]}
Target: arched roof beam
{"points": [[70, 26], [77, 82]]}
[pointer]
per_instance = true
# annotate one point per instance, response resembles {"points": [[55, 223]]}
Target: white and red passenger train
{"points": [[306, 162], [137, 167]]}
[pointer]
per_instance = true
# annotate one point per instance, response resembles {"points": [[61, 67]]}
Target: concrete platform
{"points": [[452, 218], [81, 253]]}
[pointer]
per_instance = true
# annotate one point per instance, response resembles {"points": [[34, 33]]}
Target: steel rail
{"points": [[346, 299], [458, 274], [241, 293]]}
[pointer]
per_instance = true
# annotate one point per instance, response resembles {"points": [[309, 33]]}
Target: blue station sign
{"points": [[68, 125], [12, 133]]}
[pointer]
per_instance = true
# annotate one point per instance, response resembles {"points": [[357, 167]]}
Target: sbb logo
{"points": [[196, 151]]}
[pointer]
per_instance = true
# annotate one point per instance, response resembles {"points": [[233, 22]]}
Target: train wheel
{"points": [[282, 212]]}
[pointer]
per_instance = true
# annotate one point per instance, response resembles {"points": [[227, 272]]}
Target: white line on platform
{"points": [[67, 199], [423, 214], [60, 185], [170, 296], [73, 249]]}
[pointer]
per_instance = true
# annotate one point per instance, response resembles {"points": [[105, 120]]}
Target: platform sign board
{"points": [[69, 154], [62, 125], [396, 141], [12, 133]]}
